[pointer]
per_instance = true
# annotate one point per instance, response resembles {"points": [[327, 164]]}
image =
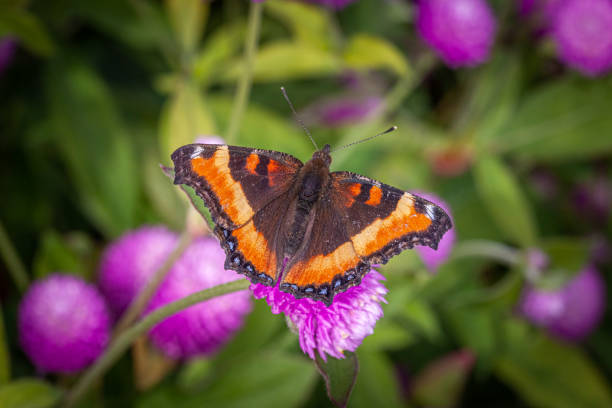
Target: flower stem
{"points": [[244, 83], [487, 249], [123, 341], [141, 301], [13, 263]]}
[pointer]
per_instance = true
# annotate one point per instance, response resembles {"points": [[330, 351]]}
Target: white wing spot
{"points": [[430, 210], [197, 151]]}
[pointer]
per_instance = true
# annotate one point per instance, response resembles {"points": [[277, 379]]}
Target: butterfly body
{"points": [[316, 231]]}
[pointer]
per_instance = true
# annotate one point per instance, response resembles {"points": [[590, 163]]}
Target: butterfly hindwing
{"points": [[237, 184]]}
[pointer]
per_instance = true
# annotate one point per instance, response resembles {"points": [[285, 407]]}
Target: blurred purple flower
{"points": [[63, 324], [209, 139], [8, 46], [592, 199], [581, 29], [332, 4], [202, 328], [462, 32], [543, 8], [434, 258], [128, 263], [330, 330], [571, 312], [344, 110]]}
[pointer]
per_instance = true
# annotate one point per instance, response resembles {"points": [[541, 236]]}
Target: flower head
{"points": [[202, 328], [330, 330], [129, 262], [571, 312], [63, 324], [209, 139], [581, 29], [433, 258], [460, 31]]}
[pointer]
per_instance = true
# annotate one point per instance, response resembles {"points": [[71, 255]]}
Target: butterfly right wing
{"points": [[242, 188]]}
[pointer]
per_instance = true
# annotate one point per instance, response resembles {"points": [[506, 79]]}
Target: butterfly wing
{"points": [[360, 222], [240, 187]]}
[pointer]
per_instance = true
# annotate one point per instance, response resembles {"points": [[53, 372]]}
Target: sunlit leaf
{"points": [[187, 18], [28, 393], [509, 208], [218, 50], [339, 376], [369, 52]]}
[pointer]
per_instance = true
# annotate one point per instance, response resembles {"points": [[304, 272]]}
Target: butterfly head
{"points": [[323, 155]]}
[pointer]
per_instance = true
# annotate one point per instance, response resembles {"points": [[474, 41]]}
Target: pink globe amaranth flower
{"points": [[571, 312], [433, 258], [64, 324], [202, 328], [581, 30], [461, 32], [8, 46], [330, 330], [332, 4], [129, 262]]}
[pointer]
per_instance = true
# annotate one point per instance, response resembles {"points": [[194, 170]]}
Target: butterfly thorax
{"points": [[312, 183]]}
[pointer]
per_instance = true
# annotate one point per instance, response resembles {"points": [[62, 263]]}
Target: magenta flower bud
{"points": [[203, 328], [63, 324], [332, 4], [581, 29], [128, 263], [461, 32], [433, 258], [8, 46], [571, 312], [330, 330]]}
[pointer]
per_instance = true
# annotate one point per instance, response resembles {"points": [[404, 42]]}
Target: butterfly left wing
{"points": [[243, 188], [360, 222]]}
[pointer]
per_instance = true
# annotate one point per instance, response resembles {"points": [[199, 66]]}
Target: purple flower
{"points": [[7, 50], [129, 262], [209, 139], [460, 31], [581, 29], [63, 324], [344, 110], [202, 328], [592, 199], [433, 258], [332, 4], [571, 312], [334, 329]]}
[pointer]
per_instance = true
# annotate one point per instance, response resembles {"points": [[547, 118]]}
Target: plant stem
{"points": [[141, 301], [122, 342], [244, 83], [13, 263], [488, 249]]}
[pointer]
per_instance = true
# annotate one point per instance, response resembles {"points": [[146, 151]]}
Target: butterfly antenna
{"points": [[297, 118], [391, 129]]}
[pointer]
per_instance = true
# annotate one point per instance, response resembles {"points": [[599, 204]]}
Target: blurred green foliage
{"points": [[101, 92]]}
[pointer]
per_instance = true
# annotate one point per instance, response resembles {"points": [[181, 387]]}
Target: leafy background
{"points": [[101, 92]]}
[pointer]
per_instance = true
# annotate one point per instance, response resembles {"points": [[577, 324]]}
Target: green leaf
{"points": [[501, 194], [28, 393], [284, 60], [187, 18], [441, 383], [23, 25], [365, 51], [184, 118], [5, 357], [70, 254], [475, 328], [309, 24], [564, 120], [214, 58], [95, 145], [377, 383], [163, 194], [339, 376], [549, 374]]}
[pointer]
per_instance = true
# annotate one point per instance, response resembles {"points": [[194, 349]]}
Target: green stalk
{"points": [[244, 82], [488, 249], [12, 261], [138, 305], [122, 342]]}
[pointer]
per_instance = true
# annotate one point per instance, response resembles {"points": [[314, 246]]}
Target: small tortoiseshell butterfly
{"points": [[315, 230]]}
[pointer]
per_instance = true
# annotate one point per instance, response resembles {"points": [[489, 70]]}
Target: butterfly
{"points": [[316, 231]]}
